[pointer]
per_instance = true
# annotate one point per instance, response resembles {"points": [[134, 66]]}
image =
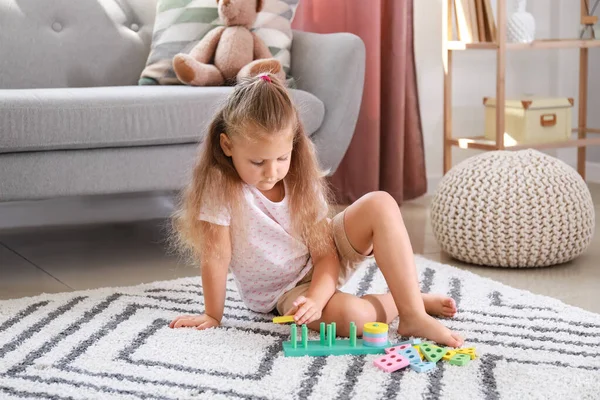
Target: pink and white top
{"points": [[268, 260]]}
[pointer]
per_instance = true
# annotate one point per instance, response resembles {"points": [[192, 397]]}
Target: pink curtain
{"points": [[386, 152]]}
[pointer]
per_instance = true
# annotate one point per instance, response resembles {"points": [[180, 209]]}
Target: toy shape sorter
{"points": [[328, 345]]}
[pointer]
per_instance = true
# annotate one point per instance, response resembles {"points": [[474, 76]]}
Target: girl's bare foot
{"points": [[425, 326], [439, 305]]}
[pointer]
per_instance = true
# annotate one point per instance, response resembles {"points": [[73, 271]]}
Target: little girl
{"points": [[257, 205]]}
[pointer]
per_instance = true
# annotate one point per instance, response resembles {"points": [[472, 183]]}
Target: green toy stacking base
{"points": [[328, 345]]}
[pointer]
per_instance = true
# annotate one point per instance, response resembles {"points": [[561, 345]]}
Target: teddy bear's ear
{"points": [[259, 5]]}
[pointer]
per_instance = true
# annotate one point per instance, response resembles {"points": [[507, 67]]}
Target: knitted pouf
{"points": [[513, 209]]}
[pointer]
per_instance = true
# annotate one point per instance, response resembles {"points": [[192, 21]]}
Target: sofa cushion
{"points": [[181, 24], [123, 116], [74, 43]]}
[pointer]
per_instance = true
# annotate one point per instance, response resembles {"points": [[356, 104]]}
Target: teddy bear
{"points": [[230, 52]]}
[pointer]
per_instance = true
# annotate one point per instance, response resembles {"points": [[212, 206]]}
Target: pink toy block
{"points": [[398, 348], [391, 362], [375, 340]]}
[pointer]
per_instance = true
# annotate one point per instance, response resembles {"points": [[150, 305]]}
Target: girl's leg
{"points": [[374, 223], [344, 308], [435, 304]]}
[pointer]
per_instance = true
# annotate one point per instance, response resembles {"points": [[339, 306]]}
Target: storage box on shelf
{"points": [[499, 142], [531, 120]]}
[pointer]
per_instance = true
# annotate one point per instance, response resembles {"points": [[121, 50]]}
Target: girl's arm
{"points": [[325, 277], [214, 267], [326, 270]]}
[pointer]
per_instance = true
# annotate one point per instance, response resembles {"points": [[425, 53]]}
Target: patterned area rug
{"points": [[115, 343]]}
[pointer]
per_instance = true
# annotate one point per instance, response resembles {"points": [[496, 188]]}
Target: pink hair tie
{"points": [[265, 77]]}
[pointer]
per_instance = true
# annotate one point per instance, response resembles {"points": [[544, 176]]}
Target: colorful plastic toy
{"points": [[380, 342], [283, 319], [391, 362], [375, 328], [398, 348], [328, 345], [412, 342], [418, 347], [449, 354], [470, 351], [371, 339], [412, 355], [414, 351], [431, 352], [460, 359], [423, 366]]}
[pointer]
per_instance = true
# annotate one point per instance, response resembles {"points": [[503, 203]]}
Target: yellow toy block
{"points": [[375, 328], [284, 319], [448, 356], [470, 351]]}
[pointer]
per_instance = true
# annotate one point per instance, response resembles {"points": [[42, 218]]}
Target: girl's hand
{"points": [[199, 322], [305, 310]]}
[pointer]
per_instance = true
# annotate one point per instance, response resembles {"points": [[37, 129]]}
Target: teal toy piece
{"points": [[327, 345]]}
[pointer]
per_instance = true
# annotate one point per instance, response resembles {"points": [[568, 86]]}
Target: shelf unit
{"points": [[501, 46]]}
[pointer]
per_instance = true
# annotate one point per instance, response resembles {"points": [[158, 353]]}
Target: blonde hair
{"points": [[262, 103]]}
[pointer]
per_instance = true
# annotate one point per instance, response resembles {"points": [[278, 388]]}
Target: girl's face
{"points": [[260, 162]]}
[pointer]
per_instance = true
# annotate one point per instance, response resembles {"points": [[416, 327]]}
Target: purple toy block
{"points": [[391, 362]]}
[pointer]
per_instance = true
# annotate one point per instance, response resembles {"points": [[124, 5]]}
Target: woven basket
{"points": [[513, 209]]}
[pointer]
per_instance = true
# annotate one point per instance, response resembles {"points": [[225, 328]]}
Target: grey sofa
{"points": [[74, 122]]}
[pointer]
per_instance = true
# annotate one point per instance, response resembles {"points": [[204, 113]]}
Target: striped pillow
{"points": [[181, 24]]}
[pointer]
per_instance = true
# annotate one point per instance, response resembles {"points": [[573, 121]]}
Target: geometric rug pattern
{"points": [[115, 343]]}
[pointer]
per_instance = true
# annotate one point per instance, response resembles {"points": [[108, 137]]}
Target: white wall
{"points": [[532, 72]]}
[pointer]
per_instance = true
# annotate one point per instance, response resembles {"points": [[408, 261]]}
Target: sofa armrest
{"points": [[332, 67]]}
